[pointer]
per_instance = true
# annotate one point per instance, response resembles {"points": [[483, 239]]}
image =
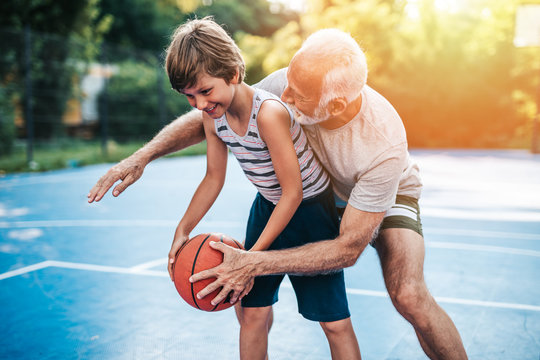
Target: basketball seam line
{"points": [[221, 240], [193, 271]]}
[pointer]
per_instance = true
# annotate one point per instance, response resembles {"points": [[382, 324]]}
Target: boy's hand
{"points": [[179, 239]]}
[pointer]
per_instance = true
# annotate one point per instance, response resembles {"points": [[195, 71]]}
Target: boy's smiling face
{"points": [[211, 95]]}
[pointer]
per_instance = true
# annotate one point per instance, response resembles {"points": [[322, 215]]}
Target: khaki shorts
{"points": [[405, 213]]}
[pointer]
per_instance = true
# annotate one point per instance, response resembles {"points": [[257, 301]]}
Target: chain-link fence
{"points": [[55, 90]]}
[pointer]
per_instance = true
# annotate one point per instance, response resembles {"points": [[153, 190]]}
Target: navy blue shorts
{"points": [[319, 297]]}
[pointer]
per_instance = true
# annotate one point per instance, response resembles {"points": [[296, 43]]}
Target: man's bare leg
{"points": [[342, 340], [401, 252]]}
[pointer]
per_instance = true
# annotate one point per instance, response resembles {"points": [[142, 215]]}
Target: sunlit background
{"points": [[461, 73]]}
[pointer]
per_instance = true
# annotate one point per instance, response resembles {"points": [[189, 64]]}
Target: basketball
{"points": [[194, 256]]}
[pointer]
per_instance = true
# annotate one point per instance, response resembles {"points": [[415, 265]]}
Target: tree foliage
{"points": [[48, 35], [453, 74], [147, 24]]}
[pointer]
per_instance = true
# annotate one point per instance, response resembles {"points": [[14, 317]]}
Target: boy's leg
{"points": [[238, 309], [342, 339], [323, 298], [254, 326]]}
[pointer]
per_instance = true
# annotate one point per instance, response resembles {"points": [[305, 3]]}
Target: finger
{"points": [[210, 288], [205, 274], [105, 184], [246, 290], [170, 266], [122, 186], [220, 297], [242, 295], [94, 191], [97, 192], [235, 296], [218, 245], [172, 258]]}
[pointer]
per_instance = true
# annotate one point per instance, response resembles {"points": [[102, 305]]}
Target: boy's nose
{"points": [[201, 104]]}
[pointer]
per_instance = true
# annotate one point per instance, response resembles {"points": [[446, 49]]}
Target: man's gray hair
{"points": [[347, 70]]}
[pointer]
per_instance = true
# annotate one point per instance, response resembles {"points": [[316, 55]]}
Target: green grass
{"points": [[76, 153]]}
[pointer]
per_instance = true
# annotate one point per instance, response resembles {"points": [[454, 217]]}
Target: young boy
{"points": [[294, 204]]}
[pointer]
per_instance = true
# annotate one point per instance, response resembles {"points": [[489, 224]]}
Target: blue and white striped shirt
{"points": [[254, 158]]}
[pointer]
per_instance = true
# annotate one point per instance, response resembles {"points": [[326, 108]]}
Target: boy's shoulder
{"points": [[272, 108]]}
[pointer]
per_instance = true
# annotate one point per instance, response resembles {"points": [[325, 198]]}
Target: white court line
{"points": [[484, 248], [352, 291], [150, 264], [483, 233], [24, 270], [239, 224], [168, 223], [79, 266], [112, 223], [481, 214], [448, 300]]}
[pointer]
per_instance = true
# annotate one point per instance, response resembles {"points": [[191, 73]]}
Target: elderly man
{"points": [[360, 139]]}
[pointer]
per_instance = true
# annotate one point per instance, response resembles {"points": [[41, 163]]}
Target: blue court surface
{"points": [[89, 281]]}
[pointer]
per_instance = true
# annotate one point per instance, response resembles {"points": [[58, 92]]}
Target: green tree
{"points": [[133, 100], [45, 26], [452, 73], [148, 24]]}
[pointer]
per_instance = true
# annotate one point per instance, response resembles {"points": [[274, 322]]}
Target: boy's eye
{"points": [[206, 91]]}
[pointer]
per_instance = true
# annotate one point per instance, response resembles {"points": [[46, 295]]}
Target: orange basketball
{"points": [[194, 256]]}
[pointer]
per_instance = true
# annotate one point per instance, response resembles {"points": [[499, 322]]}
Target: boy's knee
{"points": [[253, 317], [336, 327]]}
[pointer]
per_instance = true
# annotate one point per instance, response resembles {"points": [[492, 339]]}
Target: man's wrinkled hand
{"points": [[128, 171], [233, 275]]}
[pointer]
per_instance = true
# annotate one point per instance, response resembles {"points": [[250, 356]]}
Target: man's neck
{"points": [[350, 112]]}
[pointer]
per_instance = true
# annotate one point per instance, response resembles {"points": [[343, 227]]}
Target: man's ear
{"points": [[337, 106]]}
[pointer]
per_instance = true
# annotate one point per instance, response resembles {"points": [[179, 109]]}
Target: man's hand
{"points": [[128, 170], [234, 275]]}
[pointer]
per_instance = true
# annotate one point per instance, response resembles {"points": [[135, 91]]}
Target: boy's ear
{"points": [[235, 77], [337, 106]]}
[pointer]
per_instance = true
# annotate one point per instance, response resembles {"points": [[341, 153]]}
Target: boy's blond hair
{"points": [[202, 46]]}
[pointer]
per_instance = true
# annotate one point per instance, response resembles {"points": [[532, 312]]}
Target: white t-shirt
{"points": [[367, 158]]}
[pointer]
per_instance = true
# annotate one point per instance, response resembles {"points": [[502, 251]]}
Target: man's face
{"points": [[302, 94]]}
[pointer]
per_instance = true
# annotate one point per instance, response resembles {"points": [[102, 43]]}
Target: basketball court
{"points": [[89, 281]]}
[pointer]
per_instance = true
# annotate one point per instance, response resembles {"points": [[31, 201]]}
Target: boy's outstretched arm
{"points": [[185, 131]]}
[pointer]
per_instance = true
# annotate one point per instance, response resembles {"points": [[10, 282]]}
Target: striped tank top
{"points": [[254, 158]]}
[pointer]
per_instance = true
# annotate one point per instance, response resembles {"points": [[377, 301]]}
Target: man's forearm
{"points": [[356, 231], [185, 131], [315, 258]]}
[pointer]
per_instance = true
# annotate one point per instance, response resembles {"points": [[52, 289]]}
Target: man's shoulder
{"points": [[274, 83], [381, 115]]}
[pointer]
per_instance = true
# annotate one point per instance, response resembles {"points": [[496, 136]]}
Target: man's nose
{"points": [[286, 96]]}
